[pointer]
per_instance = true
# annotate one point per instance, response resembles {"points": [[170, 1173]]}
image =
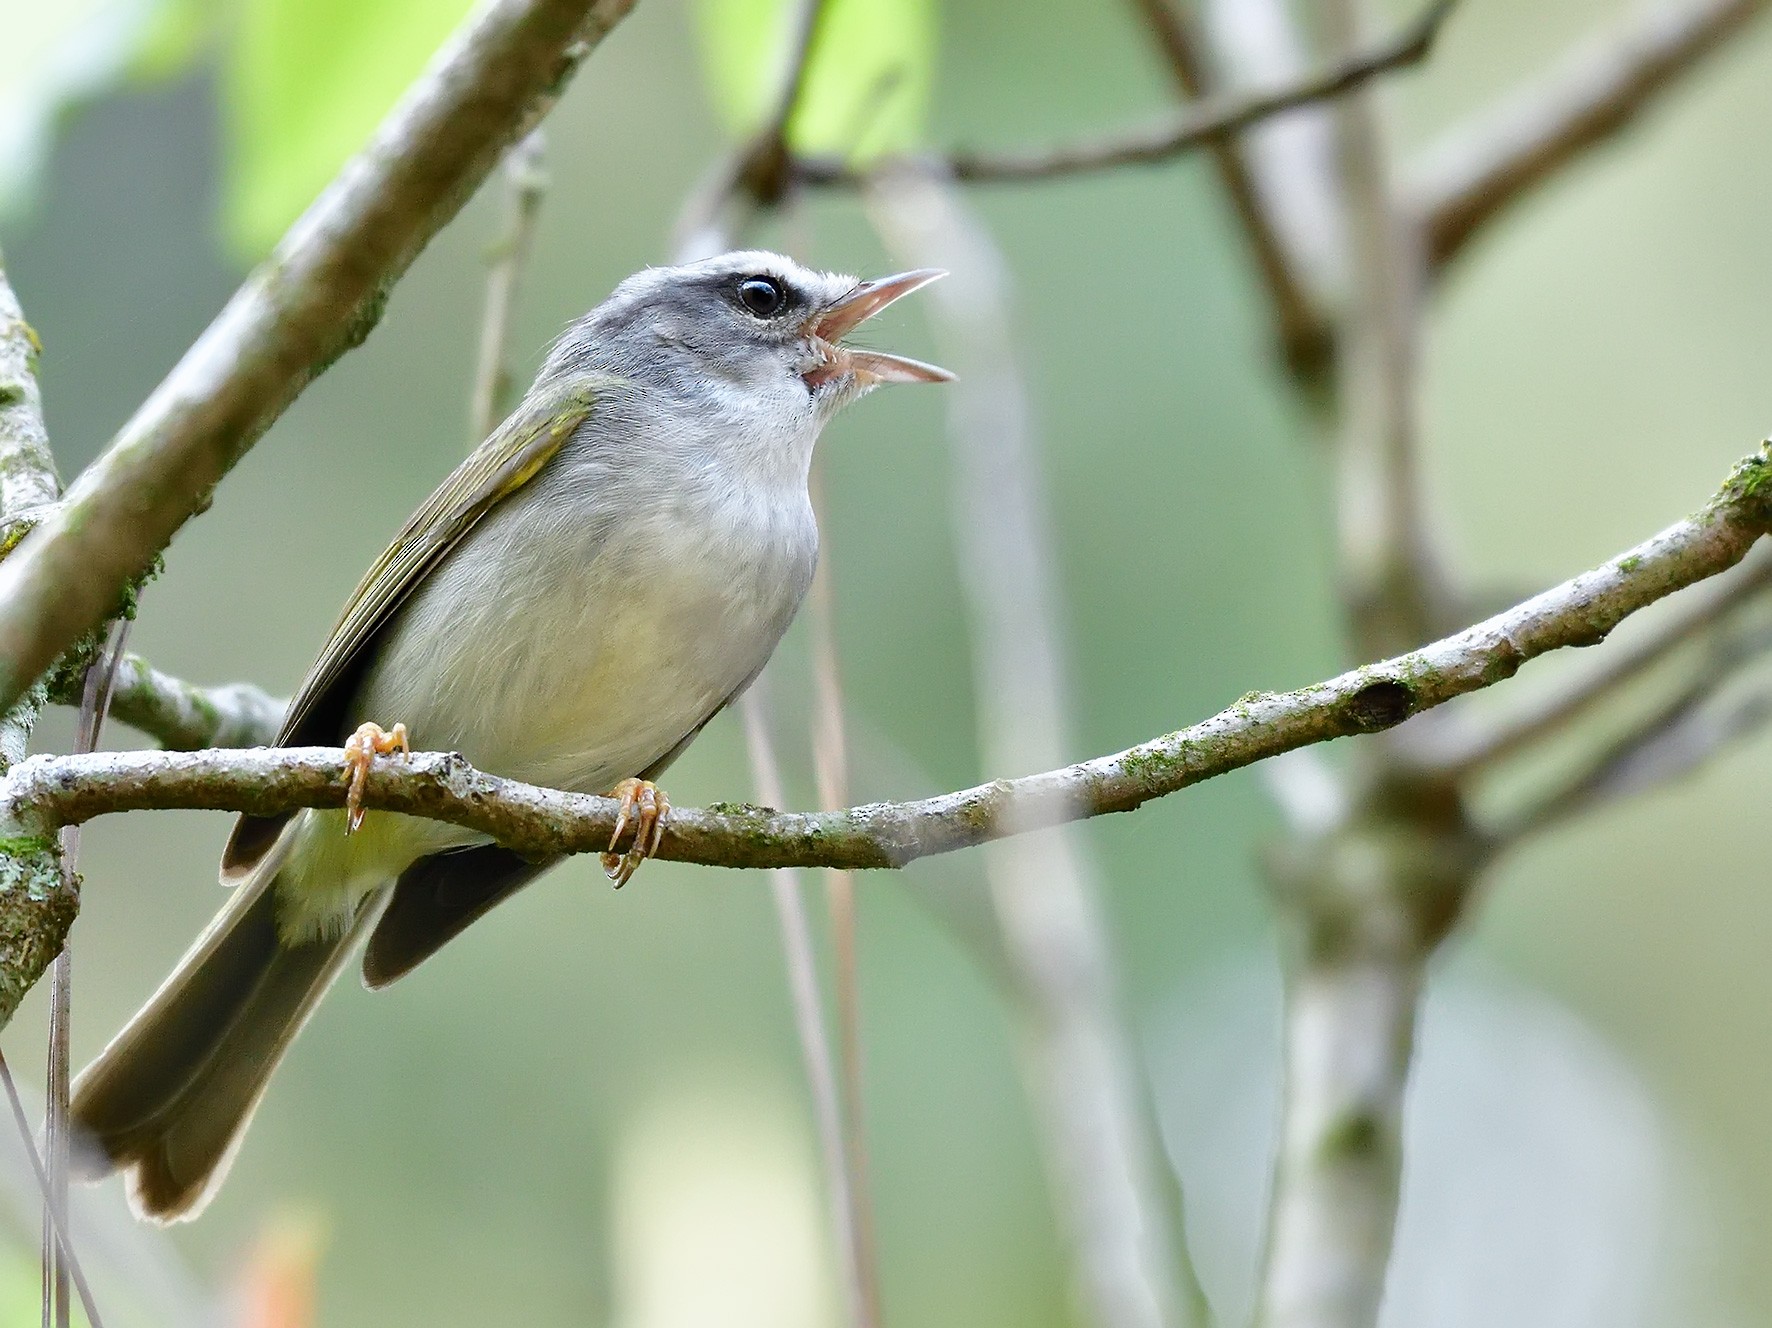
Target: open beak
{"points": [[827, 329]]}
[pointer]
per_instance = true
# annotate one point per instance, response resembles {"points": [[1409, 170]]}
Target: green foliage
{"points": [[306, 82], [867, 82]]}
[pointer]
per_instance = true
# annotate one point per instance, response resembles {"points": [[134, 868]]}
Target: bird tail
{"points": [[169, 1098]]}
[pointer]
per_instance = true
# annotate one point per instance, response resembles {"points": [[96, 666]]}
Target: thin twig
{"points": [[1213, 121], [43, 793], [95, 701], [24, 1131], [1118, 1200], [1490, 165], [1673, 739], [1464, 750], [316, 297], [815, 1043], [526, 184], [830, 764], [1301, 325]]}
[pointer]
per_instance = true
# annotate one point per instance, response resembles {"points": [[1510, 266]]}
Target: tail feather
{"points": [[170, 1097]]}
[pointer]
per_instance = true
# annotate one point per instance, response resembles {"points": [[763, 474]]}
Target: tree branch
{"points": [[526, 184], [44, 793], [184, 716], [1484, 168], [316, 297], [1301, 327], [37, 903], [1213, 121]]}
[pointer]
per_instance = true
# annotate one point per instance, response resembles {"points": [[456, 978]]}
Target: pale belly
{"points": [[573, 661]]}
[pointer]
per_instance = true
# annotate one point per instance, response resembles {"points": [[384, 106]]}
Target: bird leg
{"points": [[368, 742], [645, 805]]}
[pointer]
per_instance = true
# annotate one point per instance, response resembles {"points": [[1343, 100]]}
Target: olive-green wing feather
{"points": [[500, 466]]}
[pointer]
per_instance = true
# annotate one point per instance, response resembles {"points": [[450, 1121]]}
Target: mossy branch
{"points": [[47, 792]]}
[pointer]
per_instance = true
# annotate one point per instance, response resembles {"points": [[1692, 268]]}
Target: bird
{"points": [[604, 574]]}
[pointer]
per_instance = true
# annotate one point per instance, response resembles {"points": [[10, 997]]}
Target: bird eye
{"points": [[763, 296]]}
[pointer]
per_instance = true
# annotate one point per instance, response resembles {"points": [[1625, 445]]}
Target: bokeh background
{"points": [[590, 1108]]}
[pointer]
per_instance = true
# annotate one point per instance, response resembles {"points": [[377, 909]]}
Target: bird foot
{"points": [[645, 805], [368, 742]]}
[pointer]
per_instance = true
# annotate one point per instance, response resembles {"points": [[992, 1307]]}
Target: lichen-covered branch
{"points": [[317, 296], [46, 792], [1484, 168], [37, 905], [184, 716], [1212, 121]]}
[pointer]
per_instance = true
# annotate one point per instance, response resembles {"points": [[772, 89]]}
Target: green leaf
{"points": [[867, 82], [306, 83]]}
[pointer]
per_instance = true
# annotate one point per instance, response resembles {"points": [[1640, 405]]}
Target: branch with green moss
{"points": [[315, 298], [46, 792], [36, 905], [183, 715]]}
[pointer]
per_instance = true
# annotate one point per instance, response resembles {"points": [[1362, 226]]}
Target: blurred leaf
{"points": [[180, 32], [306, 83], [867, 83], [56, 53]]}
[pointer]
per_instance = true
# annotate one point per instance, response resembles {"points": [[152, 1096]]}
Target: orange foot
{"points": [[368, 742], [643, 803]]}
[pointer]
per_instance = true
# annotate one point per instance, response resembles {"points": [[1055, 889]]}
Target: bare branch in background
{"points": [[1390, 574], [1465, 749], [526, 184], [24, 1128], [44, 793], [1301, 325], [851, 1226], [1676, 737], [1291, 158], [1115, 1189], [758, 174], [1484, 168], [316, 297], [1214, 121], [1362, 903]]}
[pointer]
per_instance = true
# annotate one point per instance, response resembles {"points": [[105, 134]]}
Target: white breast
{"points": [[595, 620]]}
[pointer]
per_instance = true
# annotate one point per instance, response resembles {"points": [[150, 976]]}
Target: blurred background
{"points": [[590, 1108]]}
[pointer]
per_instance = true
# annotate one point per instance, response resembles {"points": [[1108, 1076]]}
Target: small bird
{"points": [[598, 580]]}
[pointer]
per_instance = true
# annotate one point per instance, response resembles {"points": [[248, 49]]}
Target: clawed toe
{"points": [[368, 742], [643, 806]]}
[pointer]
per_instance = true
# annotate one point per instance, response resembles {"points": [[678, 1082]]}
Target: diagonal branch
{"points": [[1484, 168], [1213, 121], [316, 297], [46, 792], [184, 716]]}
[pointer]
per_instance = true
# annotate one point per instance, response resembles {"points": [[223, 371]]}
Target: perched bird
{"points": [[605, 573]]}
